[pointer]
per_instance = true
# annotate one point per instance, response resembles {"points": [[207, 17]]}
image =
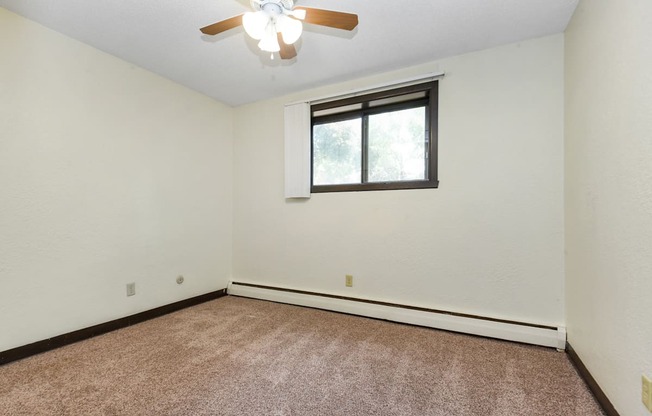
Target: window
{"points": [[379, 141]]}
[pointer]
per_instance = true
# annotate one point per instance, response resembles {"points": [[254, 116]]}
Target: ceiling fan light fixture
{"points": [[290, 29], [255, 24], [277, 25], [269, 42], [298, 14]]}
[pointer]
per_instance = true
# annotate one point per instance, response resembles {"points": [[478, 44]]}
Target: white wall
{"points": [[609, 194], [108, 174], [489, 241]]}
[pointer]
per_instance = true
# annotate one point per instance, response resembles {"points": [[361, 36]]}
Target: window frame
{"points": [[431, 102]]}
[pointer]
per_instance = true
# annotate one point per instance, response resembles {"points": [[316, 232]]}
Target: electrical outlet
{"points": [[131, 289], [349, 280], [647, 393]]}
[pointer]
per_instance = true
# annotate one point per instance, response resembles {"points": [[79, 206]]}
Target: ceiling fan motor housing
{"points": [[273, 6]]}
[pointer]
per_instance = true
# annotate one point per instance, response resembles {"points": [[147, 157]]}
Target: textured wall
{"points": [[489, 241], [608, 194], [108, 174]]}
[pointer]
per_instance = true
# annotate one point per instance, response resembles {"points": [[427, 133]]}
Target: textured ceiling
{"points": [[163, 36]]}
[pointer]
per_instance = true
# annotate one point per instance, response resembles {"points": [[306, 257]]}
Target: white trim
{"points": [[486, 328], [374, 88], [561, 338]]}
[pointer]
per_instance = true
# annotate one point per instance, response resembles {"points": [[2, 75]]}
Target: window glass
{"points": [[337, 153], [397, 146]]}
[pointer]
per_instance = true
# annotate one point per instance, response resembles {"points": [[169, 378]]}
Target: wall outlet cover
{"points": [[131, 289]]}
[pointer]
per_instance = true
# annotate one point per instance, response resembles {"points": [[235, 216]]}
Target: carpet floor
{"points": [[237, 356]]}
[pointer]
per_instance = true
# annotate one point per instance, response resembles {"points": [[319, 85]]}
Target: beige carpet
{"points": [[236, 356]]}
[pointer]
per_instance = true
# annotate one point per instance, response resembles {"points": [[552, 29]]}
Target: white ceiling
{"points": [[163, 36]]}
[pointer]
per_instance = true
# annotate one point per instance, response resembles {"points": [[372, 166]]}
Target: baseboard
{"points": [[82, 334], [528, 333], [602, 398]]}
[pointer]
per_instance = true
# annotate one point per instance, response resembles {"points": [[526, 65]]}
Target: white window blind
{"points": [[297, 150]]}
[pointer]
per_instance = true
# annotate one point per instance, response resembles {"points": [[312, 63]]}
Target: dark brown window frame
{"points": [[431, 101]]}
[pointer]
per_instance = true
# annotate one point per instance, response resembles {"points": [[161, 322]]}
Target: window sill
{"points": [[375, 186]]}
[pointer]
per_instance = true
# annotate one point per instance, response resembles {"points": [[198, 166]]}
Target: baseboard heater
{"points": [[528, 333]]}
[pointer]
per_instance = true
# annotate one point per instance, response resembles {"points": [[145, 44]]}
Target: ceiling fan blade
{"points": [[287, 51], [222, 26], [338, 20]]}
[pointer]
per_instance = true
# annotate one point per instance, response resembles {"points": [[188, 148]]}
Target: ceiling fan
{"points": [[277, 24]]}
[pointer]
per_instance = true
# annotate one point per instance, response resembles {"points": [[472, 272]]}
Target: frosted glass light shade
{"points": [[290, 29], [269, 42], [299, 14], [256, 23]]}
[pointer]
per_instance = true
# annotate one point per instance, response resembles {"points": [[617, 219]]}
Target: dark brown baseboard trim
{"points": [[82, 334], [395, 305], [602, 398]]}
